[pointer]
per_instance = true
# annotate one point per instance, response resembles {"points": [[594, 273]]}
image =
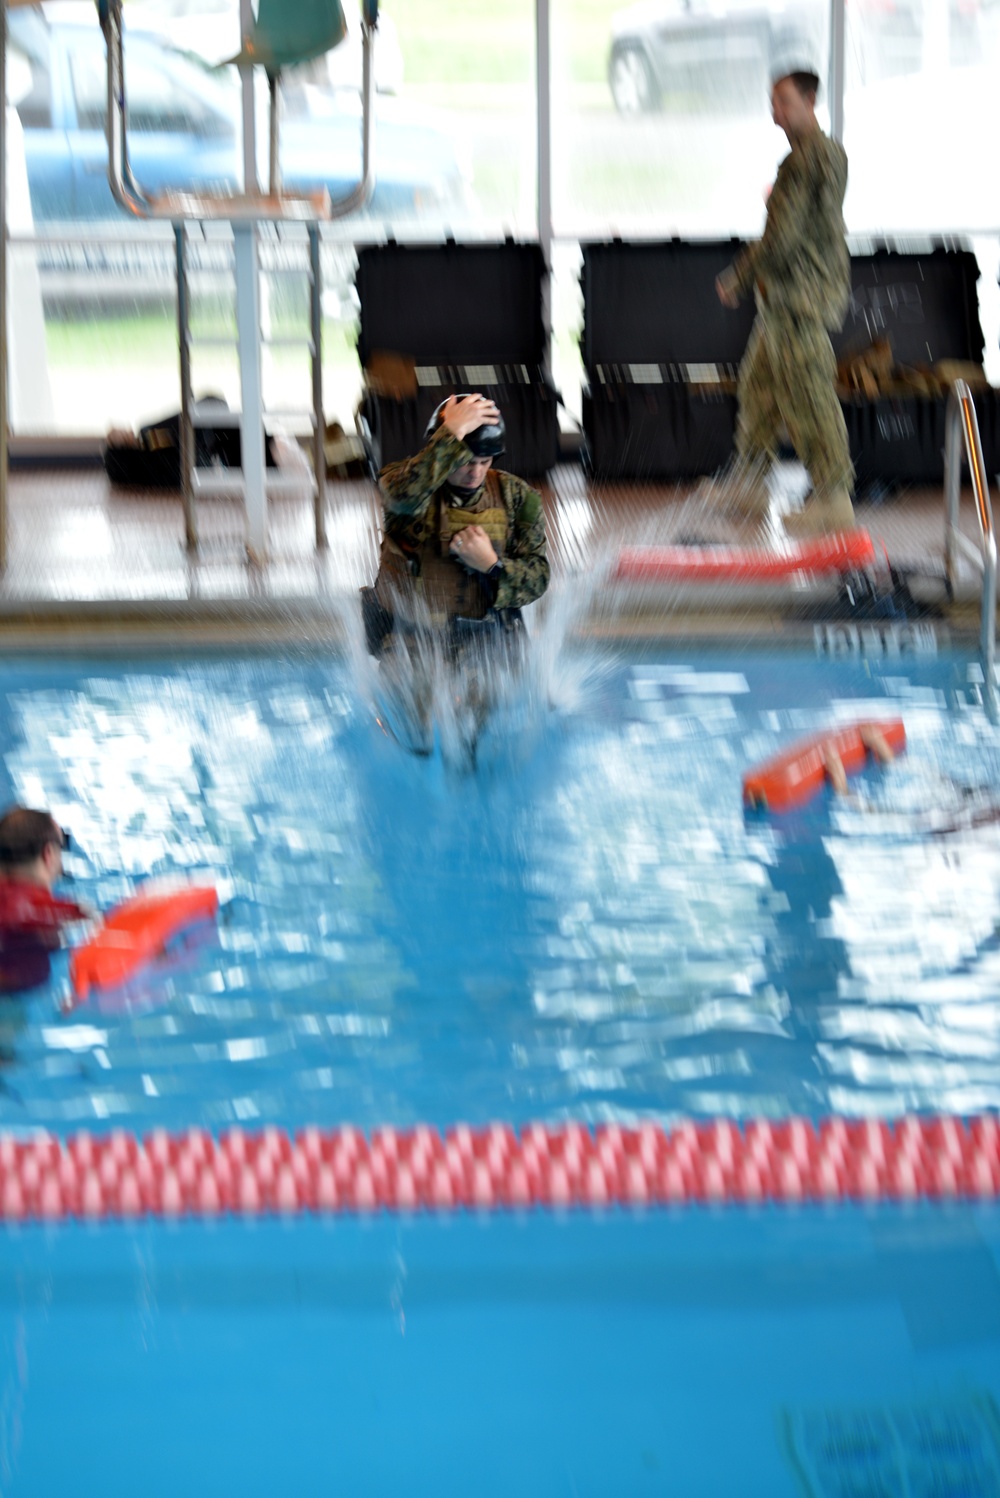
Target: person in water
{"points": [[31, 915], [463, 550], [874, 741], [959, 809]]}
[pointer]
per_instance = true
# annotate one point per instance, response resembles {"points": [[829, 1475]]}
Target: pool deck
{"points": [[108, 565]]}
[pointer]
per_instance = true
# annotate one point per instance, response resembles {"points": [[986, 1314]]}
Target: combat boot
{"points": [[740, 488], [822, 515]]}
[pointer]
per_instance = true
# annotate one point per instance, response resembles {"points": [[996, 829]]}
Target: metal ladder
{"points": [[252, 479], [244, 211], [962, 434]]}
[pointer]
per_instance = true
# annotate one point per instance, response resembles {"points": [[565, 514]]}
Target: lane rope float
{"points": [[120, 1175]]}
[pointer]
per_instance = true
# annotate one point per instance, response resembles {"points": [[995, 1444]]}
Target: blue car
{"points": [[184, 131]]}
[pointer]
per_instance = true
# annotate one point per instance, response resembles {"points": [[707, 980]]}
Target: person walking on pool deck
{"points": [[800, 273]]}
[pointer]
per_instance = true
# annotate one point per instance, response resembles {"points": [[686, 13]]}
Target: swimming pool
{"points": [[589, 928]]}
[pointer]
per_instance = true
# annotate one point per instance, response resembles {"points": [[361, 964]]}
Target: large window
{"points": [[660, 126], [455, 150], [661, 119], [917, 123], [471, 68]]}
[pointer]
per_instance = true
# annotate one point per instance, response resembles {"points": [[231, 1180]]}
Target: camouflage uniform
{"points": [[422, 515], [800, 271]]}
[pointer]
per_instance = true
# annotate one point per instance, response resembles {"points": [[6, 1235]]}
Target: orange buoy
{"points": [[795, 775], [844, 551], [133, 932]]}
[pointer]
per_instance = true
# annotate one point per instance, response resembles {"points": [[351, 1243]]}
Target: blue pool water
{"points": [[689, 1353], [588, 927]]}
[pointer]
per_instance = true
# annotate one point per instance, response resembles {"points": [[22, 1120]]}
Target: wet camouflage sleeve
{"points": [[801, 263], [525, 573], [409, 486]]}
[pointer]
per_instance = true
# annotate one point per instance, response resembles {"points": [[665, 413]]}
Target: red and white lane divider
{"points": [[119, 1175]]}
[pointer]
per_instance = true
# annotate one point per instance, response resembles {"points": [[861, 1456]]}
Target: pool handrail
{"points": [[248, 206], [960, 417]]}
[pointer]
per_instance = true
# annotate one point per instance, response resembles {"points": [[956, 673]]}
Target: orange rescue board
{"points": [[795, 775], [134, 932], [844, 551]]}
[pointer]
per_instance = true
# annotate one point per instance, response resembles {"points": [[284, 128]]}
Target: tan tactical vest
{"points": [[442, 588]]}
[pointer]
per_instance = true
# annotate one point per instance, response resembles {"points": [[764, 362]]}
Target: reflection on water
{"points": [[586, 925]]}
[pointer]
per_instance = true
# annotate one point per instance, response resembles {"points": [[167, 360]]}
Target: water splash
{"points": [[461, 698]]}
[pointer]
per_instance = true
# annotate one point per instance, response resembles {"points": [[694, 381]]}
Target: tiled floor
{"points": [[83, 550]]}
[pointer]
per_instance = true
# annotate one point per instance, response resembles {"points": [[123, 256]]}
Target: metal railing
{"points": [[234, 479], [962, 431], [243, 211], [250, 205]]}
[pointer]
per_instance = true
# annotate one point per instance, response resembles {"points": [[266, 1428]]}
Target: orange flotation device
{"points": [[843, 551], [794, 776], [133, 932]]}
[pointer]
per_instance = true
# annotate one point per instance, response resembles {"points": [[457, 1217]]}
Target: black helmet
{"points": [[487, 441]]}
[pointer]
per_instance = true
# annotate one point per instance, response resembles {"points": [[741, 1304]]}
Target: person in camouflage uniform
{"points": [[462, 540], [800, 274], [463, 551]]}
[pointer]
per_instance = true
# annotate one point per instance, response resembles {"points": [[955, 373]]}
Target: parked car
{"points": [[184, 131], [696, 52], [720, 52]]}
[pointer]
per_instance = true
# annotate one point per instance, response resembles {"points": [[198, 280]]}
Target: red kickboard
{"points": [[844, 551], [135, 931], [794, 776]]}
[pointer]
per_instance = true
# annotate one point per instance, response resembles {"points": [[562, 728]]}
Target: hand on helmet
{"points": [[474, 549], [462, 415]]}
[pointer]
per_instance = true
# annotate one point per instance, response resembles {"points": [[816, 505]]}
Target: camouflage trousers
{"points": [[787, 380]]}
